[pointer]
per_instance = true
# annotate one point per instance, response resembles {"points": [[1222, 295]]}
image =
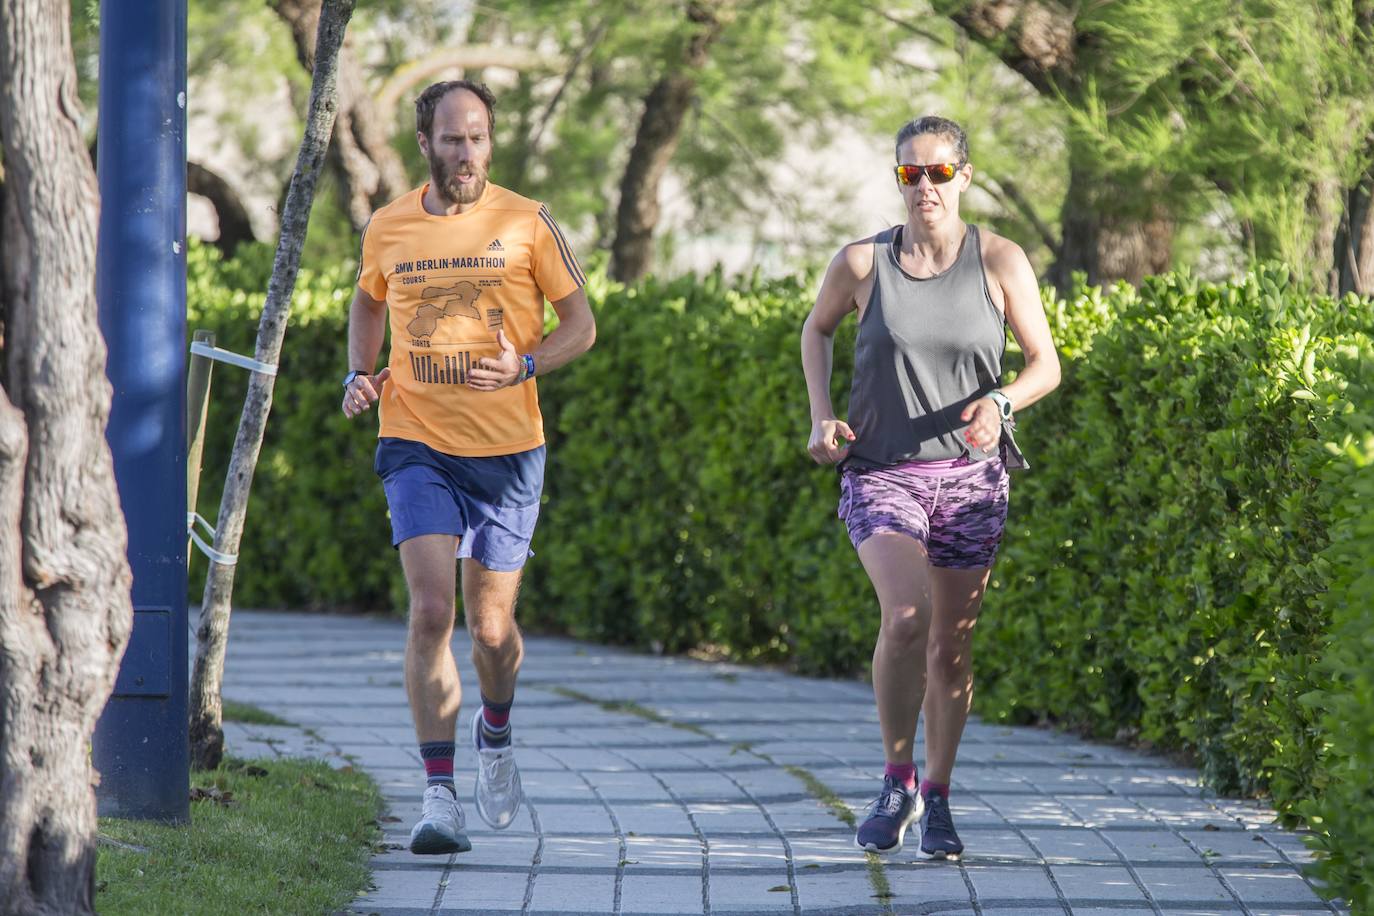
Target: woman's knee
{"points": [[948, 659], [904, 629]]}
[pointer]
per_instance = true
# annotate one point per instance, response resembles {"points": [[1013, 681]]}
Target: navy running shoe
{"points": [[896, 809], [938, 838]]}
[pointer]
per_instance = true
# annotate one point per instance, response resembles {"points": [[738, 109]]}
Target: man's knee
{"points": [[492, 630], [431, 619]]}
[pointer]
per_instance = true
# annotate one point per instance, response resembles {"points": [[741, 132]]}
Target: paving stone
{"points": [[480, 892], [1270, 886], [817, 891], [1096, 882], [1006, 883], [573, 893], [662, 893], [763, 892], [664, 851], [1177, 885]]}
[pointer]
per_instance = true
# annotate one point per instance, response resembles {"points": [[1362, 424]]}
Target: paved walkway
{"points": [[660, 786]]}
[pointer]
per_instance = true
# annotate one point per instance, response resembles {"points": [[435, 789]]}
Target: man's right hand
{"points": [[363, 391], [824, 434]]}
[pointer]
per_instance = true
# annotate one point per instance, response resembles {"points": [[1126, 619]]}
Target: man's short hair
{"points": [[934, 124], [428, 100]]}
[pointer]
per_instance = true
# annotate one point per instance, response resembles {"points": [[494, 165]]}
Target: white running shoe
{"points": [[498, 794], [440, 828]]}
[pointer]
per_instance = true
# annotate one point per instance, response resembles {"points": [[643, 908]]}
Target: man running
{"points": [[462, 267]]}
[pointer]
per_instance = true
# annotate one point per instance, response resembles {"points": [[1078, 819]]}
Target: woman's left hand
{"points": [[985, 430]]}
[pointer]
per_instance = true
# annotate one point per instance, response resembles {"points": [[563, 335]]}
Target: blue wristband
{"points": [[528, 360]]}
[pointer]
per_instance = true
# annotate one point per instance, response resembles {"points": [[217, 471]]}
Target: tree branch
{"points": [[462, 56], [1009, 195], [1036, 38]]}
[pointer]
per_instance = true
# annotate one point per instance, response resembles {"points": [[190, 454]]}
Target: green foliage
{"points": [[1266, 101], [267, 836], [1343, 811], [316, 533]]}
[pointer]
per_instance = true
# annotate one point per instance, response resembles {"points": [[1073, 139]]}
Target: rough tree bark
{"points": [[1038, 39], [65, 603], [369, 171], [234, 227], [660, 128], [207, 733]]}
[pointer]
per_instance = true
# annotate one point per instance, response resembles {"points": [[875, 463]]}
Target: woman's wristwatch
{"points": [[1002, 401]]}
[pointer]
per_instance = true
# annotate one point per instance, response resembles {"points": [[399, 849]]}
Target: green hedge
{"points": [[1343, 807], [1188, 561]]}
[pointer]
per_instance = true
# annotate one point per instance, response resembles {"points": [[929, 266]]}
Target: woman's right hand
{"points": [[824, 435]]}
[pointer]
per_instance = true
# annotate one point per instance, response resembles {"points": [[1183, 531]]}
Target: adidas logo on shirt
{"points": [[495, 246]]}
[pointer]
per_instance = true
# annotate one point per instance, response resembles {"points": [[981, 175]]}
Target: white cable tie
{"points": [[223, 559], [200, 348]]}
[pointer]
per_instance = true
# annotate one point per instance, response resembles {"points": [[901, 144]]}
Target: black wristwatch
{"points": [[354, 373]]}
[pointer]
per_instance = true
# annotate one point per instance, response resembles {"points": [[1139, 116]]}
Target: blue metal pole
{"points": [[141, 746]]}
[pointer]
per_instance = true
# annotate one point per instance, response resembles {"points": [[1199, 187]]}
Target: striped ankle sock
{"points": [[438, 758], [495, 727]]}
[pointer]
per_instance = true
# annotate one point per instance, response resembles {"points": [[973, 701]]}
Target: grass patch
{"points": [[247, 712], [266, 836]]}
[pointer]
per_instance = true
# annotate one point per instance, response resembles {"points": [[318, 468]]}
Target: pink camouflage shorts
{"points": [[957, 510]]}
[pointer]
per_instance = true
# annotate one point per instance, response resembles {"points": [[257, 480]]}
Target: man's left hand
{"points": [[499, 372], [986, 429]]}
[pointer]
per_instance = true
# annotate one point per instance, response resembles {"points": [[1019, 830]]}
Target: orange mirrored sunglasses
{"points": [[938, 173]]}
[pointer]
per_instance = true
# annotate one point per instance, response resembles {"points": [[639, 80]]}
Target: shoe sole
{"points": [[476, 794], [431, 842], [941, 855]]}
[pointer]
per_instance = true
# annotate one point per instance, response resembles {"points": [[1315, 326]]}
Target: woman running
{"points": [[924, 456]]}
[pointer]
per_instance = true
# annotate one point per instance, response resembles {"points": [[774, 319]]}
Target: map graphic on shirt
{"points": [[450, 283], [456, 300]]}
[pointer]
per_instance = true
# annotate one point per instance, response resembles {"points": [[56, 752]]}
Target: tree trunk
{"points": [[660, 128], [369, 171], [1101, 236], [1355, 244], [1104, 236], [234, 227], [207, 733], [65, 603], [1325, 214]]}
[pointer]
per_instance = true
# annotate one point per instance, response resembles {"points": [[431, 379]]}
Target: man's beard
{"points": [[445, 180]]}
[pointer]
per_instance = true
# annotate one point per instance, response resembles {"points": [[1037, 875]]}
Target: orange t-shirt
{"points": [[449, 283]]}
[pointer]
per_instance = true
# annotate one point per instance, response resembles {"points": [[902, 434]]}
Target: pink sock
{"points": [[903, 773], [941, 787]]}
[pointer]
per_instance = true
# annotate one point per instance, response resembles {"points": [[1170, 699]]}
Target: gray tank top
{"points": [[926, 349]]}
